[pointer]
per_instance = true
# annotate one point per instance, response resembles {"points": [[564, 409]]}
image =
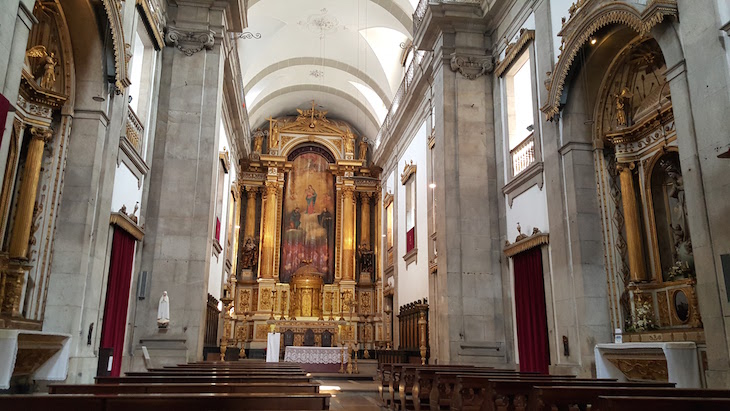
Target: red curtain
{"points": [[410, 239], [218, 229], [117, 296], [4, 107], [532, 340]]}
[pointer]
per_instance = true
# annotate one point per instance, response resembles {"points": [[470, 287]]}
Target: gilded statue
{"points": [[274, 136], [621, 119], [363, 155], [258, 140], [349, 142], [49, 65], [249, 254]]}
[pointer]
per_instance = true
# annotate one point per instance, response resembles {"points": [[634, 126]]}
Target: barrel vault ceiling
{"points": [[344, 54]]}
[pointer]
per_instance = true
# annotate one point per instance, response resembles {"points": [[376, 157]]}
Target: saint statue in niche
{"points": [[163, 311], [363, 149], [249, 254], [621, 119]]}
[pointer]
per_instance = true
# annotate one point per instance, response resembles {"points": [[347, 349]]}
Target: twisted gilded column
{"points": [[250, 223], [633, 226], [348, 233], [365, 218], [271, 204], [28, 189]]}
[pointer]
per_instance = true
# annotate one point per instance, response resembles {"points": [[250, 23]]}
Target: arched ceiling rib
{"points": [[344, 53]]}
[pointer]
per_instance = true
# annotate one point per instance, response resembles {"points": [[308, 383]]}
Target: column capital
{"points": [[43, 134], [251, 191], [365, 196], [190, 41]]}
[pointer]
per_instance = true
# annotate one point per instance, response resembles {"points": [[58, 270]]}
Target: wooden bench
{"points": [[410, 389], [585, 397], [488, 393], [623, 403], [202, 379], [301, 388], [213, 373], [165, 402]]}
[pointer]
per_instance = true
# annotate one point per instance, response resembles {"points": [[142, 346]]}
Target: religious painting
{"points": [[308, 221]]}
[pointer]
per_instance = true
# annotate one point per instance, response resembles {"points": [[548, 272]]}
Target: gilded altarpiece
{"points": [[648, 247], [308, 186]]}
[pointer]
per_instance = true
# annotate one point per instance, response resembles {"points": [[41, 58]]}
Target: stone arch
{"points": [[587, 18]]}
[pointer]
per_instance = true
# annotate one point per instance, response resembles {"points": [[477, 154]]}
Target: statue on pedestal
{"points": [[249, 254], [163, 311]]}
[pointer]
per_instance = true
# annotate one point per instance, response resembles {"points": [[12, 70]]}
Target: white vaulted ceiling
{"points": [[344, 54]]}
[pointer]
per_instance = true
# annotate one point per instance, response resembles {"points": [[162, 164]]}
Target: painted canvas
{"points": [[308, 221]]}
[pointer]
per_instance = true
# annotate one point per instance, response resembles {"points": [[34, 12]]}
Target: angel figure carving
{"points": [[621, 119], [49, 65]]}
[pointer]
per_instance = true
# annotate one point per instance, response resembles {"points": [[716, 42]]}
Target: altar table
{"points": [[679, 360], [322, 359]]}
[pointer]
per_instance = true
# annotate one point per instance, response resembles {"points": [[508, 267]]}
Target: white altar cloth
{"points": [[315, 355], [273, 343], [55, 369], [682, 361]]}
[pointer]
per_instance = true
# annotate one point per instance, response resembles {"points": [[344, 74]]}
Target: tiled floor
{"points": [[352, 395]]}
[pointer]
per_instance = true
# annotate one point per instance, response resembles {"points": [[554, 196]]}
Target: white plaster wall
{"points": [[127, 190], [413, 279], [530, 210], [218, 265]]}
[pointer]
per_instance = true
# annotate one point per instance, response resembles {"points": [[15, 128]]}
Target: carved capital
{"points": [[365, 197], [272, 188], [43, 134], [349, 192], [471, 67], [251, 191], [189, 42]]}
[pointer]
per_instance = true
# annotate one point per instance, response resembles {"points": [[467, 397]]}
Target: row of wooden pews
{"points": [[463, 387], [223, 386]]}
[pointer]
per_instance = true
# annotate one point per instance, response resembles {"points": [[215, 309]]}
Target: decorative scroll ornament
{"points": [[114, 14], [471, 67], [586, 18], [190, 42]]}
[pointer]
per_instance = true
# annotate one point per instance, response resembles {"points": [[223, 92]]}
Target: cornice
{"points": [[514, 50], [525, 243], [123, 222]]}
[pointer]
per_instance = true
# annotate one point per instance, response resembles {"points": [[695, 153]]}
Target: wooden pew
{"points": [[202, 379], [623, 403], [165, 402], [224, 373], [563, 398], [444, 383], [489, 393], [300, 388], [409, 389]]}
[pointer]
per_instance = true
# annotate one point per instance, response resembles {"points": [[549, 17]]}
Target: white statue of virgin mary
{"points": [[163, 311]]}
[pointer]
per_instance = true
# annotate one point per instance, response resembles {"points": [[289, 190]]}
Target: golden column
{"points": [[250, 223], [633, 226], [237, 187], [348, 232], [271, 204], [28, 189], [365, 218]]}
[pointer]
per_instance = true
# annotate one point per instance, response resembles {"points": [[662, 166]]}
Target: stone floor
{"points": [[355, 395]]}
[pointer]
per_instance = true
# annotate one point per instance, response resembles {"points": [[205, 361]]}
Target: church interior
{"points": [[447, 204]]}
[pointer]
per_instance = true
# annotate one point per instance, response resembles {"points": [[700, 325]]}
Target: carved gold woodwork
{"points": [[584, 22], [643, 368], [408, 171], [348, 233], [269, 230], [514, 50], [633, 228]]}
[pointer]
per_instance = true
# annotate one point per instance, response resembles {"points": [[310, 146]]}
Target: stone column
{"points": [[365, 218], [633, 226], [269, 230], [250, 223], [348, 232], [28, 190]]}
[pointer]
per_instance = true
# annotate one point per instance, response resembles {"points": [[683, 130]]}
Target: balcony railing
{"points": [[135, 130], [409, 80], [523, 155]]}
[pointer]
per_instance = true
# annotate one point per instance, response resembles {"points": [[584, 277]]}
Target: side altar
{"points": [[307, 265]]}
